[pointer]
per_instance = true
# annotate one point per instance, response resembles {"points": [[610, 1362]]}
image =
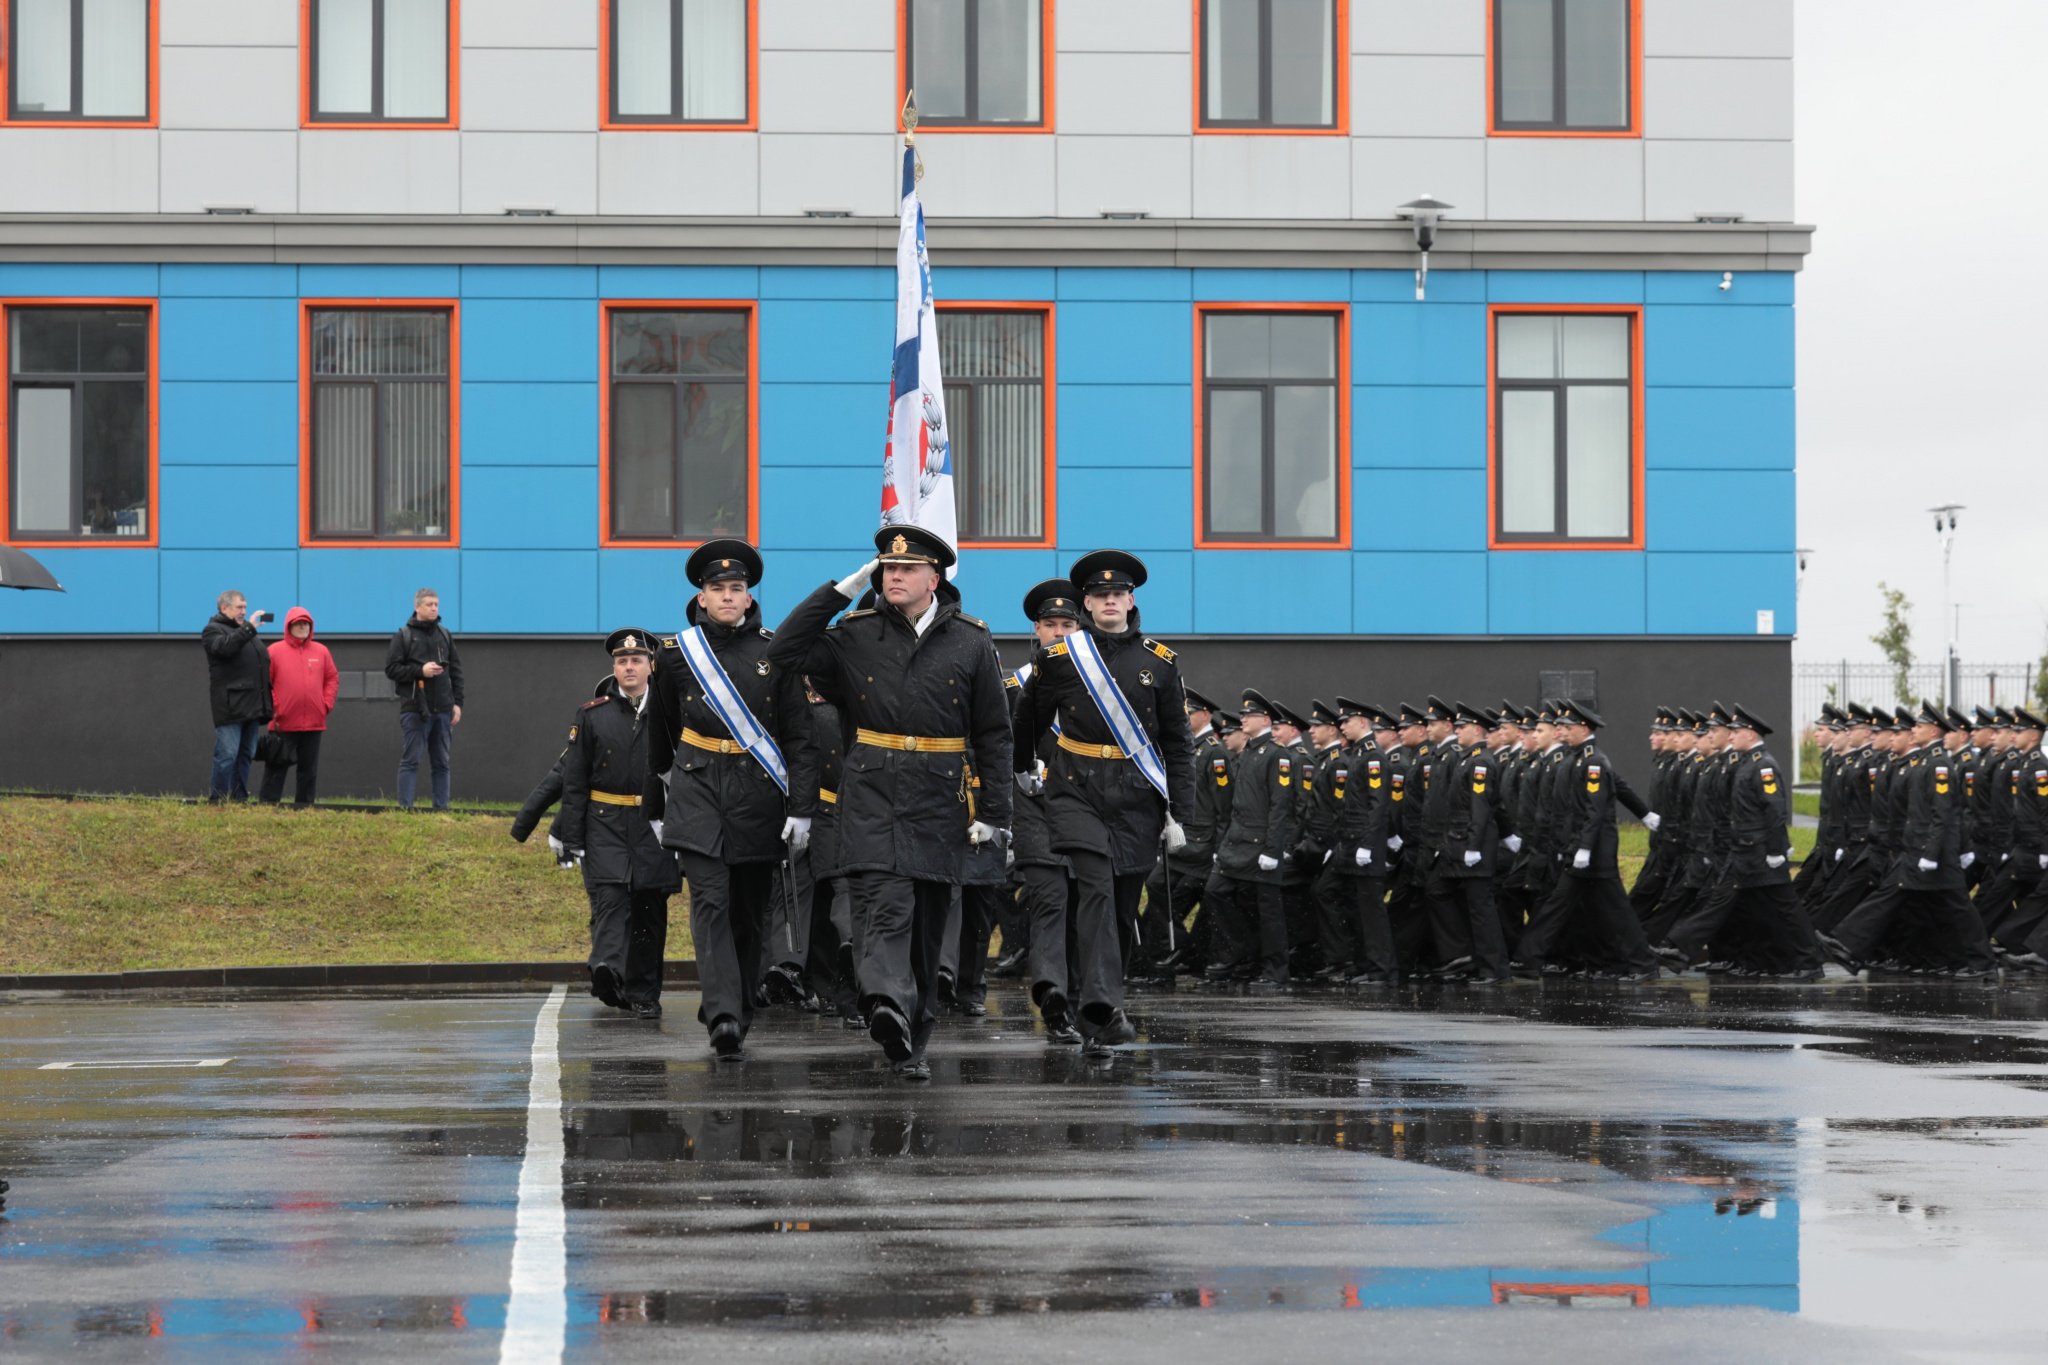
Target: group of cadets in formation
{"points": [[859, 800]]}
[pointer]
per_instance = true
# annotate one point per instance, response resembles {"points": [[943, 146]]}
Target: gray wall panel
{"points": [[1717, 28], [229, 23], [828, 92], [1682, 179], [988, 175], [1717, 97], [374, 171], [1272, 177], [1124, 26], [855, 172], [1436, 26], [529, 90], [1125, 93], [554, 170], [829, 25], [78, 170], [1388, 171], [1152, 175], [257, 169], [1418, 96], [230, 87], [1574, 178], [531, 23], [651, 173]]}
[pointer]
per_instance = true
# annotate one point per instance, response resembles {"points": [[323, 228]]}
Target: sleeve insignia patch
{"points": [[1399, 783], [1286, 773], [1479, 779], [572, 733]]}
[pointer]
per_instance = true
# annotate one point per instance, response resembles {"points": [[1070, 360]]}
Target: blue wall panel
{"points": [[1705, 346], [1418, 509], [1408, 428], [992, 584], [678, 282], [1564, 286], [1273, 286], [1135, 509], [1125, 425], [529, 281], [370, 591], [806, 341], [990, 285], [793, 575], [817, 508], [545, 339], [1747, 289], [1126, 343], [1166, 604], [203, 422], [1235, 591], [529, 592], [827, 282], [234, 507], [644, 588], [1398, 286], [1720, 594], [1733, 510], [554, 424], [825, 424], [507, 506], [78, 281], [230, 281], [1720, 429], [191, 581], [106, 592], [229, 339], [1418, 343], [1418, 594], [1565, 592], [380, 281], [1090, 282]]}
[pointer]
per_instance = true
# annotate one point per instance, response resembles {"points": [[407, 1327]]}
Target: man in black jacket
{"points": [[1264, 824], [238, 684], [423, 665]]}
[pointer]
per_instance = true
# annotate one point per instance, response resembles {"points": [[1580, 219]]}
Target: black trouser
{"points": [[1999, 895], [302, 748], [902, 927], [1776, 931], [1408, 919], [968, 957], [1955, 931], [1171, 895], [1677, 903], [789, 920], [1617, 938], [629, 933], [1105, 901], [1659, 870], [1013, 917], [1337, 923], [728, 914], [1704, 928], [1467, 923], [1258, 924], [1050, 895], [829, 970], [1368, 899], [1810, 882], [1854, 883]]}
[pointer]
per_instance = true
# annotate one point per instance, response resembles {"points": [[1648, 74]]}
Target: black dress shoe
{"points": [[1269, 985], [726, 1039], [914, 1069], [1112, 1031], [1367, 979], [1457, 966], [1670, 953], [783, 985], [1720, 966], [887, 1026], [1219, 971], [1976, 973], [1011, 963], [1483, 979], [943, 990], [1810, 974], [1839, 951], [853, 1019], [604, 984], [647, 1009], [975, 1009]]}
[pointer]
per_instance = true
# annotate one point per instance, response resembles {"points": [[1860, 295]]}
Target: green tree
{"points": [[1896, 640], [2041, 682]]}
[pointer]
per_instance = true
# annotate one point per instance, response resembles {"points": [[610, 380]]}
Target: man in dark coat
{"points": [[1251, 942], [1175, 887], [1354, 880], [1476, 824], [1106, 815], [921, 688], [238, 686], [729, 819], [1049, 894], [610, 823], [423, 664]]}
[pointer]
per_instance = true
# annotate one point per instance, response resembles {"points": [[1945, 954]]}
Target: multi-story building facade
{"points": [[327, 300]]}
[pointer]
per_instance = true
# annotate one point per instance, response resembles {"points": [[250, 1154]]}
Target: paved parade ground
{"points": [[1845, 1172]]}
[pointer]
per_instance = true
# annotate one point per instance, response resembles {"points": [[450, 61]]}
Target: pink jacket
{"points": [[303, 679]]}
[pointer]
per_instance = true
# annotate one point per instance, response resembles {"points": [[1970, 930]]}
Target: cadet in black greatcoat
{"points": [[1106, 817], [728, 818], [918, 683], [1049, 895], [610, 822], [1251, 944], [1476, 823], [1356, 875], [1175, 887]]}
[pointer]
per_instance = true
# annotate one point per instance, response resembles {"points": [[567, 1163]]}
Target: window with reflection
{"points": [[678, 426], [1562, 66], [78, 423], [678, 61], [1270, 63], [976, 62], [1270, 445], [1564, 423], [994, 365], [380, 417], [78, 60], [378, 61]]}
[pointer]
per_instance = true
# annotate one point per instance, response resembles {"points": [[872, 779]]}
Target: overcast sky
{"points": [[1921, 318]]}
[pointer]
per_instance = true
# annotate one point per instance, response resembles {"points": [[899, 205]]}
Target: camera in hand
{"points": [[261, 617]]}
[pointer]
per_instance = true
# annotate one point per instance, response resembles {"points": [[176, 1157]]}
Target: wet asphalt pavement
{"points": [[1844, 1172]]}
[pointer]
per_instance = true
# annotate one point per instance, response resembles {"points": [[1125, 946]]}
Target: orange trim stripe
{"points": [[150, 120], [1340, 128], [1635, 85], [1049, 480], [605, 121], [454, 119], [1046, 67]]}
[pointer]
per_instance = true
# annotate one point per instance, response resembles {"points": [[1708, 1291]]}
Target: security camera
{"points": [[1727, 280]]}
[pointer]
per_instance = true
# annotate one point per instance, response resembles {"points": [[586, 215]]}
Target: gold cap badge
{"points": [[899, 546]]}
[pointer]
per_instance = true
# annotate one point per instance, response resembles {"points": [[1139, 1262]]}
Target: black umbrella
{"points": [[20, 569]]}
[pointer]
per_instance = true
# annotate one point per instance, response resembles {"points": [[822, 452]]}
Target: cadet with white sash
{"points": [[1120, 776]]}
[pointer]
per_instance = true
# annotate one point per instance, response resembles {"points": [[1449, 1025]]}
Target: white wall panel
{"points": [[1418, 96], [829, 25], [708, 174], [229, 23], [552, 170], [1562, 178], [78, 170], [1717, 97], [259, 169], [988, 175], [529, 90], [1124, 26], [1152, 175], [1125, 93], [1272, 177], [229, 87], [345, 170], [1442, 27], [530, 23], [1718, 28], [1387, 172], [1754, 179], [828, 92], [857, 172]]}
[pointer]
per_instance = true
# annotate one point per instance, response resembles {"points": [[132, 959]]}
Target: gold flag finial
{"points": [[910, 118]]}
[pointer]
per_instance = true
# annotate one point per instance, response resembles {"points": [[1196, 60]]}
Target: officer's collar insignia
{"points": [[899, 546]]}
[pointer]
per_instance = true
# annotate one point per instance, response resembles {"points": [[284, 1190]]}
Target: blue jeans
{"points": [[434, 733], [234, 749]]}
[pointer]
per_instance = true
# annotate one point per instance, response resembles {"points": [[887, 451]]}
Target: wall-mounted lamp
{"points": [[1423, 215]]}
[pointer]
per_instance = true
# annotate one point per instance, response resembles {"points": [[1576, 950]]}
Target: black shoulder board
{"points": [[856, 615], [595, 702], [1161, 650], [670, 642], [767, 634], [974, 620]]}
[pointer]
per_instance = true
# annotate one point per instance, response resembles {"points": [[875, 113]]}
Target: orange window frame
{"points": [[1046, 68], [1342, 313], [1634, 313], [605, 121], [454, 119], [752, 310], [148, 542], [7, 80], [1635, 83], [1341, 127], [453, 308], [1049, 479]]}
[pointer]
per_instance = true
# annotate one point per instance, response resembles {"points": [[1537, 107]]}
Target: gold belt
{"points": [[716, 746], [614, 799], [1073, 746], [911, 744], [828, 796]]}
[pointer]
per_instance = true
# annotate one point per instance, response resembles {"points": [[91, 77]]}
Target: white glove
{"points": [[1774, 861], [981, 832], [1176, 837], [1838, 854], [1009, 858], [855, 583], [1514, 843], [1394, 844], [1582, 860], [1329, 855], [1654, 821], [1364, 856], [2044, 862], [1031, 784], [1969, 858], [1471, 857], [1267, 862], [796, 832], [556, 847], [655, 825], [1928, 864]]}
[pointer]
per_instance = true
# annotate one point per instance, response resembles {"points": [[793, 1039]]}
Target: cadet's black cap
{"points": [[1660, 719], [1930, 714], [1902, 718], [1254, 703], [1287, 715], [629, 640], [1198, 702], [1321, 713], [1436, 708], [1224, 722], [1717, 716], [1347, 708], [716, 561], [1957, 720], [1464, 714], [1530, 718], [1101, 570], [1744, 719], [1571, 713], [2001, 717], [2023, 719], [1980, 719], [1382, 718], [1410, 716], [1859, 714], [914, 545], [1053, 597]]}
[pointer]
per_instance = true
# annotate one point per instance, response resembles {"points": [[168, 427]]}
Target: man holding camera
{"points": [[238, 683], [425, 668]]}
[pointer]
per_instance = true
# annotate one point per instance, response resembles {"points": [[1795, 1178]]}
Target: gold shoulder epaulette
{"points": [[1161, 650], [855, 615], [1054, 651], [1010, 680], [670, 642]]}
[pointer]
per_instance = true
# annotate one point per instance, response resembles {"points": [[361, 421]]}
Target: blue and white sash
{"points": [[732, 709], [1116, 711], [1023, 675]]}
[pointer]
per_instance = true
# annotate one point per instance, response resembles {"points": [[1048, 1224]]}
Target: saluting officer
{"points": [[1264, 816], [1119, 777], [918, 682], [610, 822], [744, 782]]}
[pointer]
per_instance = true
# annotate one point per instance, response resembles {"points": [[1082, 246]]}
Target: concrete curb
{"points": [[326, 977]]}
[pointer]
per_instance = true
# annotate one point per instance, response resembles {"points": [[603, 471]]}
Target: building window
{"points": [[999, 420], [80, 61], [977, 63], [679, 439], [679, 62], [1566, 429], [381, 423], [1272, 434], [79, 428], [1271, 64], [1565, 66], [380, 61]]}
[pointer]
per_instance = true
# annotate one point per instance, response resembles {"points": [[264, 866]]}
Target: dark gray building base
{"points": [[130, 714]]}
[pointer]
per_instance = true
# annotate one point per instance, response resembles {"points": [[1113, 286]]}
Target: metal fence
{"points": [[1874, 685]]}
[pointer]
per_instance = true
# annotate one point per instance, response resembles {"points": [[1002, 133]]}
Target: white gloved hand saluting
{"points": [[1267, 862], [1031, 784], [1363, 857], [1176, 837], [1654, 821], [1928, 865], [855, 583], [1774, 861], [1514, 843], [1471, 857], [796, 832], [1582, 860]]}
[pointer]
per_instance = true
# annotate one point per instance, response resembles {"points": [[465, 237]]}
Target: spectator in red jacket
{"points": [[303, 683]]}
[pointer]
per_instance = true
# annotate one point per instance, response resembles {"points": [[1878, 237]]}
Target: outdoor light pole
{"points": [[1423, 215], [1945, 527]]}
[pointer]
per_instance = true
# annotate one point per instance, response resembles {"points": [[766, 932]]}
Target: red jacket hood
{"points": [[292, 618]]}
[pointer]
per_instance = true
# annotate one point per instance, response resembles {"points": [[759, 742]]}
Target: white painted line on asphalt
{"points": [[135, 1065], [537, 1317]]}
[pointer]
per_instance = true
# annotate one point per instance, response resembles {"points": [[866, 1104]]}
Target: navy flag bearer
{"points": [[728, 815], [610, 822]]}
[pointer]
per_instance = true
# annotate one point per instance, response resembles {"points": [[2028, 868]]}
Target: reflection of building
{"points": [[519, 307]]}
